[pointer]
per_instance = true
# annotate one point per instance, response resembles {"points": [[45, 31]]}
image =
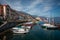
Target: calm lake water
{"points": [[37, 33]]}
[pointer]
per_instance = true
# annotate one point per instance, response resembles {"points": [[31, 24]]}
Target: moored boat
{"points": [[49, 26], [25, 28]]}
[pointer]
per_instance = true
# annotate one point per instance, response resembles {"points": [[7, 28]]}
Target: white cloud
{"points": [[33, 4], [31, 8], [18, 6], [33, 11], [15, 5], [47, 8]]}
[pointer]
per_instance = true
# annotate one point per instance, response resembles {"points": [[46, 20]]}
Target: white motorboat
{"points": [[22, 29], [49, 26]]}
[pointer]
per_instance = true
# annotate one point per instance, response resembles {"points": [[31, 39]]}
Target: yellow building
{"points": [[38, 18]]}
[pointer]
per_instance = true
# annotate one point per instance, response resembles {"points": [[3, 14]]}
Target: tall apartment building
{"points": [[4, 11]]}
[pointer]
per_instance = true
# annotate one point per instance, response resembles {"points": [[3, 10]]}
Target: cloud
{"points": [[46, 6], [34, 11], [15, 5], [33, 4], [18, 6], [35, 7]]}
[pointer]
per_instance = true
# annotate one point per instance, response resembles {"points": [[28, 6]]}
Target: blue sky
{"points": [[36, 7]]}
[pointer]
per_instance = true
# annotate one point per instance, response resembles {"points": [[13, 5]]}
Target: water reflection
{"points": [[37, 33]]}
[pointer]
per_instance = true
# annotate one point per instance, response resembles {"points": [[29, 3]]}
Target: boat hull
{"points": [[49, 27]]}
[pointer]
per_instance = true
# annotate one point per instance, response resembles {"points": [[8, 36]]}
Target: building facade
{"points": [[6, 13]]}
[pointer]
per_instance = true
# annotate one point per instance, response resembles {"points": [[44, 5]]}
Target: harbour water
{"points": [[36, 33]]}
